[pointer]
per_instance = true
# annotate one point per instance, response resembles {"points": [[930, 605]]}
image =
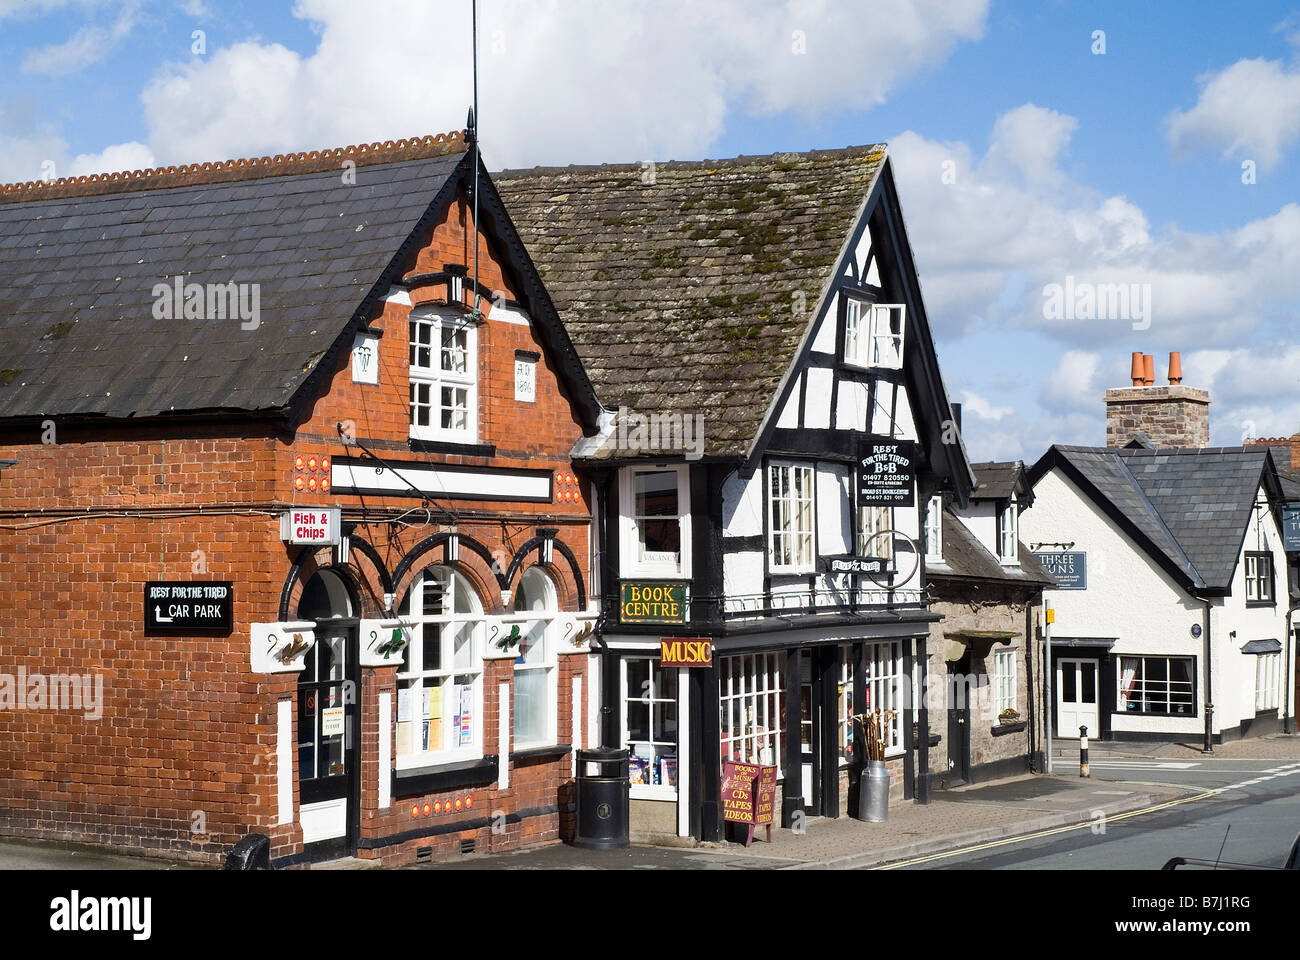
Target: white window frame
{"points": [[1267, 674], [435, 378], [631, 564], [884, 685], [751, 688], [869, 337], [934, 530], [412, 668], [1259, 577], [803, 561], [1005, 678], [1009, 532], [1139, 687], [543, 618], [650, 791], [871, 521]]}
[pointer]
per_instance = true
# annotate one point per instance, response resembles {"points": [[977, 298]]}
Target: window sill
{"points": [[1260, 603], [446, 776], [551, 752], [1002, 729]]}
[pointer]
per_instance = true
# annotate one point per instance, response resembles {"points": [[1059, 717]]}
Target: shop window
{"points": [[1005, 680], [884, 680], [1267, 671], [535, 667], [790, 517], [439, 683], [752, 704], [656, 521], [650, 725], [1160, 685], [844, 708], [1259, 578], [443, 376]]}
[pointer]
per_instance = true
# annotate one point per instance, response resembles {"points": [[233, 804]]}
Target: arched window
{"points": [[440, 683], [535, 671]]}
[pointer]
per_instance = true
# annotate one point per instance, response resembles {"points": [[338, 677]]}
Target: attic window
{"points": [[1008, 535], [873, 333], [443, 376]]}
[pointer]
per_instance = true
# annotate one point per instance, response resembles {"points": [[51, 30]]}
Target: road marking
{"points": [[1145, 765], [1113, 793], [1086, 824]]}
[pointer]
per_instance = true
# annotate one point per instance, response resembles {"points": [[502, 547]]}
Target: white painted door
{"points": [[1076, 697]]}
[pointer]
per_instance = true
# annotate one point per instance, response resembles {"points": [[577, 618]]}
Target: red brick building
{"points": [[201, 365]]}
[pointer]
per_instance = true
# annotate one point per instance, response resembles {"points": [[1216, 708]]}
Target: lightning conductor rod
{"points": [[474, 129]]}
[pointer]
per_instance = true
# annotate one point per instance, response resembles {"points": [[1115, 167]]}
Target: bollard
{"points": [[1083, 752]]}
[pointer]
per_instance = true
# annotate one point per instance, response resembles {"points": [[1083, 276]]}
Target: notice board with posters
{"points": [[749, 796], [886, 472]]}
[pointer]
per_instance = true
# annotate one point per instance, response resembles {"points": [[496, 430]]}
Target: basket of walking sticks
{"points": [[873, 792]]}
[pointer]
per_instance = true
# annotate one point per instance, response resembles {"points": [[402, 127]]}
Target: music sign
{"points": [[685, 652], [194, 607], [886, 472], [749, 796]]}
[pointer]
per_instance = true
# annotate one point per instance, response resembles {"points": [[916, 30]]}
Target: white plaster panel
{"points": [[851, 406], [790, 410], [834, 520], [742, 505], [817, 402]]}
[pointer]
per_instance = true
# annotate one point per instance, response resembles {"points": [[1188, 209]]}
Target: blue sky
{"points": [[1122, 166]]}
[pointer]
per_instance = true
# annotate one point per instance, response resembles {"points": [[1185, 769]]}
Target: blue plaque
{"points": [[1070, 570]]}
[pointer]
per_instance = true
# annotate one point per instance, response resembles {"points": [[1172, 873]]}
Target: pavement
{"points": [[954, 818]]}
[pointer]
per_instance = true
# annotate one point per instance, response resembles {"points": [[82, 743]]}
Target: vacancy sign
{"points": [[313, 525]]}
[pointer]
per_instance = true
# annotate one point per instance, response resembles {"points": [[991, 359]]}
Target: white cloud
{"points": [[121, 156], [1073, 384], [974, 403], [89, 45], [29, 156], [559, 81], [1249, 111]]}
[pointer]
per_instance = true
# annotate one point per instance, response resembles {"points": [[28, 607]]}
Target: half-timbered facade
{"points": [[757, 330]]}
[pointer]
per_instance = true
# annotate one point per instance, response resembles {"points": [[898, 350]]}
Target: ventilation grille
{"points": [[423, 854], [467, 845]]}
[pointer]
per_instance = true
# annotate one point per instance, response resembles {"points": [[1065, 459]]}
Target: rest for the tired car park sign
{"points": [[194, 607]]}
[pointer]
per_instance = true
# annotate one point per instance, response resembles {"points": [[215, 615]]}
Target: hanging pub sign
{"points": [[685, 652], [1070, 570], [172, 606], [851, 564], [641, 601], [318, 526], [886, 472], [1291, 528]]}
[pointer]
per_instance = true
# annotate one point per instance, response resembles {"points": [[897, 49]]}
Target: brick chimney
{"points": [[1170, 415]]}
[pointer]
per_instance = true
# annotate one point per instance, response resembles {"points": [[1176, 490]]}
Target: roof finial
{"points": [[469, 127]]}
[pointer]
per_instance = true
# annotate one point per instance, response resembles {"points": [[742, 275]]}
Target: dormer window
{"points": [[873, 333], [443, 376], [1008, 533]]}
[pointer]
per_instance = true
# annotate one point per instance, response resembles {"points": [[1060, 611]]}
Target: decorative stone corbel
{"points": [[382, 641], [280, 647]]}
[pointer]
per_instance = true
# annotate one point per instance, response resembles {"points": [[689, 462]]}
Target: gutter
{"points": [[1209, 685]]}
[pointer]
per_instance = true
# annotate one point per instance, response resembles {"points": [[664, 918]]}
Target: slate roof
{"points": [[677, 286], [998, 480], [965, 556], [1187, 507], [79, 261], [1289, 478]]}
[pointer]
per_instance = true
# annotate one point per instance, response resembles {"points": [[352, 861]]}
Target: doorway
{"points": [[328, 722], [958, 697], [1076, 697]]}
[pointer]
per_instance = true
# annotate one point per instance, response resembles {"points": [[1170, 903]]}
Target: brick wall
{"points": [[182, 760]]}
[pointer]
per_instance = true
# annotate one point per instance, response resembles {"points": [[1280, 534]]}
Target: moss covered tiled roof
{"points": [[687, 287]]}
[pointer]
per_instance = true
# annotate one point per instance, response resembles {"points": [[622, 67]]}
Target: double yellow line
{"points": [[1069, 828]]}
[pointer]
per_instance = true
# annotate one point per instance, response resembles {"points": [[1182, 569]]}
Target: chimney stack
{"points": [[1169, 416]]}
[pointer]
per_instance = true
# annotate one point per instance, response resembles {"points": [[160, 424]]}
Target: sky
{"points": [[1040, 148]]}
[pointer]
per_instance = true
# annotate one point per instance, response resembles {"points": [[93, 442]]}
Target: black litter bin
{"points": [[602, 799]]}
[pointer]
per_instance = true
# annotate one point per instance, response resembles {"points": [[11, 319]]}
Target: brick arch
{"points": [[308, 561], [576, 590], [482, 579], [566, 591]]}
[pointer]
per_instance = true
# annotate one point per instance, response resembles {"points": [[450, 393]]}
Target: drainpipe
{"points": [[608, 681], [1288, 720], [1209, 685]]}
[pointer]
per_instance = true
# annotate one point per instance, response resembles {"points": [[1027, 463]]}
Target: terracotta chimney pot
{"points": [[1149, 369], [1175, 368], [1138, 370]]}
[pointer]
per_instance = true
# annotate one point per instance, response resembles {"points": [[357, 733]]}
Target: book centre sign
{"points": [[646, 602]]}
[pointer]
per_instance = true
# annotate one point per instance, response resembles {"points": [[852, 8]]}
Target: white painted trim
{"points": [[398, 295], [385, 749], [284, 773], [575, 714], [459, 482], [504, 314], [683, 752], [503, 735], [596, 689]]}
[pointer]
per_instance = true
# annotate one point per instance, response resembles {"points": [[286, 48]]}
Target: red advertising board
{"points": [[749, 796]]}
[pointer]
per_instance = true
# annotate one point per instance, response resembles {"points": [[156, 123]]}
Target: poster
{"points": [[331, 722], [466, 715], [403, 737], [403, 704]]}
